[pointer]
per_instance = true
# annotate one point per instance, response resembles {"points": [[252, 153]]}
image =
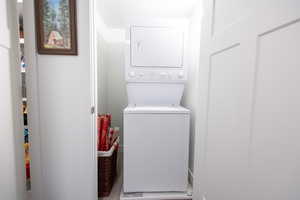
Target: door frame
{"points": [[9, 43], [200, 136], [94, 91]]}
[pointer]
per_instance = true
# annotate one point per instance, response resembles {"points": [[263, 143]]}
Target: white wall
{"points": [[116, 90], [112, 97], [12, 181], [59, 107], [102, 73], [190, 97], [111, 78]]}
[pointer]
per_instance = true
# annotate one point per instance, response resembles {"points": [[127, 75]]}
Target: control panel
{"points": [[156, 75]]}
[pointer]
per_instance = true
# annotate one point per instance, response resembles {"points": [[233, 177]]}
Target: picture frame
{"points": [[56, 27]]}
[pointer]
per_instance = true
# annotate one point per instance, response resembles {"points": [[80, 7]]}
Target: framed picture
{"points": [[56, 27]]}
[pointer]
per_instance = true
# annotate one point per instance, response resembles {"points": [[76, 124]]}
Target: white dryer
{"points": [[156, 127]]}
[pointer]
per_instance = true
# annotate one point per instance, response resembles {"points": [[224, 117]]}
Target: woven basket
{"points": [[107, 170]]}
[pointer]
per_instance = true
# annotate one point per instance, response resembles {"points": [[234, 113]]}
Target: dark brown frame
{"points": [[40, 31]]}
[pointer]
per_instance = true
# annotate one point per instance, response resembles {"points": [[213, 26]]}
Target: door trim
{"points": [[94, 92]]}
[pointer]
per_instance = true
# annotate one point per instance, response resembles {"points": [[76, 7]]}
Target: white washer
{"points": [[156, 127], [156, 149]]}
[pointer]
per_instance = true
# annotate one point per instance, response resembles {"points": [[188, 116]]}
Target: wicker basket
{"points": [[107, 169]]}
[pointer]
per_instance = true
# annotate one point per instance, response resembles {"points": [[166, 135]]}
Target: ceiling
{"points": [[118, 13]]}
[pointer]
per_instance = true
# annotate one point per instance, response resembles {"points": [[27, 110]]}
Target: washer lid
{"points": [[156, 109]]}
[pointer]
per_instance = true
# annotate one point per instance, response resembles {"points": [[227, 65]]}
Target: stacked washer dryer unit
{"points": [[156, 127]]}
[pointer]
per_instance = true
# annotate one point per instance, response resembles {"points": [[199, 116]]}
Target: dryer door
{"points": [[156, 47]]}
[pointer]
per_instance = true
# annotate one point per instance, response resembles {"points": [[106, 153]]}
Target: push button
{"points": [[131, 74], [141, 74], [180, 75], [163, 74]]}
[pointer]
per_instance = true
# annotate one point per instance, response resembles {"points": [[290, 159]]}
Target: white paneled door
{"points": [[248, 142]]}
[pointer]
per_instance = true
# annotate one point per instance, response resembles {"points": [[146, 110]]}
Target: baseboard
{"points": [[191, 177]]}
